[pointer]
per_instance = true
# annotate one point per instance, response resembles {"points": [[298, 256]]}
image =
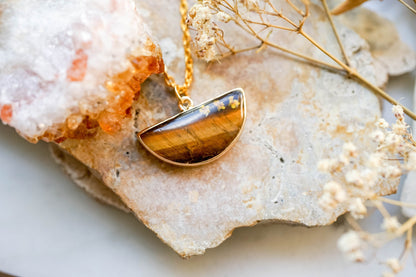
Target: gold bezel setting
{"points": [[198, 107]]}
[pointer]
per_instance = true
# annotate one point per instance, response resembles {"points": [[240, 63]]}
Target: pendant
{"points": [[200, 134]]}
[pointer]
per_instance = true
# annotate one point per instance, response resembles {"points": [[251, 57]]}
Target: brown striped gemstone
{"points": [[200, 134]]}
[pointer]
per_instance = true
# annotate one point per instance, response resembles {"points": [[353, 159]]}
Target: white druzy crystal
{"points": [[55, 57]]}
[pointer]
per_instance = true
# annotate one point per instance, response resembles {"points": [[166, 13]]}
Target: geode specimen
{"points": [[69, 68]]}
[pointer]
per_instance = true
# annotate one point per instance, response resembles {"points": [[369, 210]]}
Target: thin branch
{"points": [[343, 67], [409, 238], [233, 52], [271, 25], [381, 208], [341, 46], [263, 29], [323, 50], [307, 58], [295, 8], [353, 223], [251, 31], [408, 246], [279, 14], [408, 6], [396, 203], [228, 5], [359, 77], [382, 93], [406, 226], [353, 73], [266, 12], [306, 4]]}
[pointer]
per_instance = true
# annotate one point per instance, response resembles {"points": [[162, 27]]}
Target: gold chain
{"points": [[182, 90]]}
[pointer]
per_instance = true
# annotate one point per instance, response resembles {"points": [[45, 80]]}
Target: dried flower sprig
{"points": [[357, 174], [257, 17]]}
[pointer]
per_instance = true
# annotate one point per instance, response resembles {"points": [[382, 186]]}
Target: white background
{"points": [[50, 227]]}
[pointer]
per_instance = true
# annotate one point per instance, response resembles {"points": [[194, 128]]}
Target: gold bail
{"points": [[185, 102]]}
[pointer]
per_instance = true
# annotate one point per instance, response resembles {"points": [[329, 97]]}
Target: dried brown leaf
{"points": [[346, 6]]}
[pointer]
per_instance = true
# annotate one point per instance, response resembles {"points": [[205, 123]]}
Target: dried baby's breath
{"points": [[390, 224], [201, 19], [357, 208], [332, 196], [352, 246], [394, 264], [259, 18], [251, 5], [355, 172]]}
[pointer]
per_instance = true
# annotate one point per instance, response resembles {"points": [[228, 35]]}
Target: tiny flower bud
{"points": [[390, 224]]}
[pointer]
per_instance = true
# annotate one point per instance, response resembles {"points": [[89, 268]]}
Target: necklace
{"points": [[198, 134]]}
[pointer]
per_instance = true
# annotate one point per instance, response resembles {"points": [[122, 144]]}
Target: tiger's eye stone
{"points": [[200, 134]]}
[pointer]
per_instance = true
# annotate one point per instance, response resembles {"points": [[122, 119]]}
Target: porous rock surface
{"points": [[297, 114], [84, 177], [56, 58], [394, 55]]}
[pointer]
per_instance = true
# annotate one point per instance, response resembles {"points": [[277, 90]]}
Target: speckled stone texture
{"points": [[297, 114], [67, 66], [394, 56]]}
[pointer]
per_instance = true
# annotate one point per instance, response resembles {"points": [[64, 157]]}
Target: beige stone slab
{"points": [[84, 177], [394, 55], [297, 114]]}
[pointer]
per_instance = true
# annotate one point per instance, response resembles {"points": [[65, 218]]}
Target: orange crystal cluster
{"points": [[124, 88]]}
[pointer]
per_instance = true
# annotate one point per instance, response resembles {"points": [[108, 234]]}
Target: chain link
{"points": [[182, 90]]}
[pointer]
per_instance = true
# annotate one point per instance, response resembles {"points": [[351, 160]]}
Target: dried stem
{"points": [[299, 55], [341, 46], [408, 246], [246, 27], [295, 8], [381, 208], [406, 226], [353, 73], [344, 67], [271, 25], [408, 6], [282, 16], [348, 69], [233, 52], [396, 203], [254, 20], [382, 93], [231, 7], [351, 221]]}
